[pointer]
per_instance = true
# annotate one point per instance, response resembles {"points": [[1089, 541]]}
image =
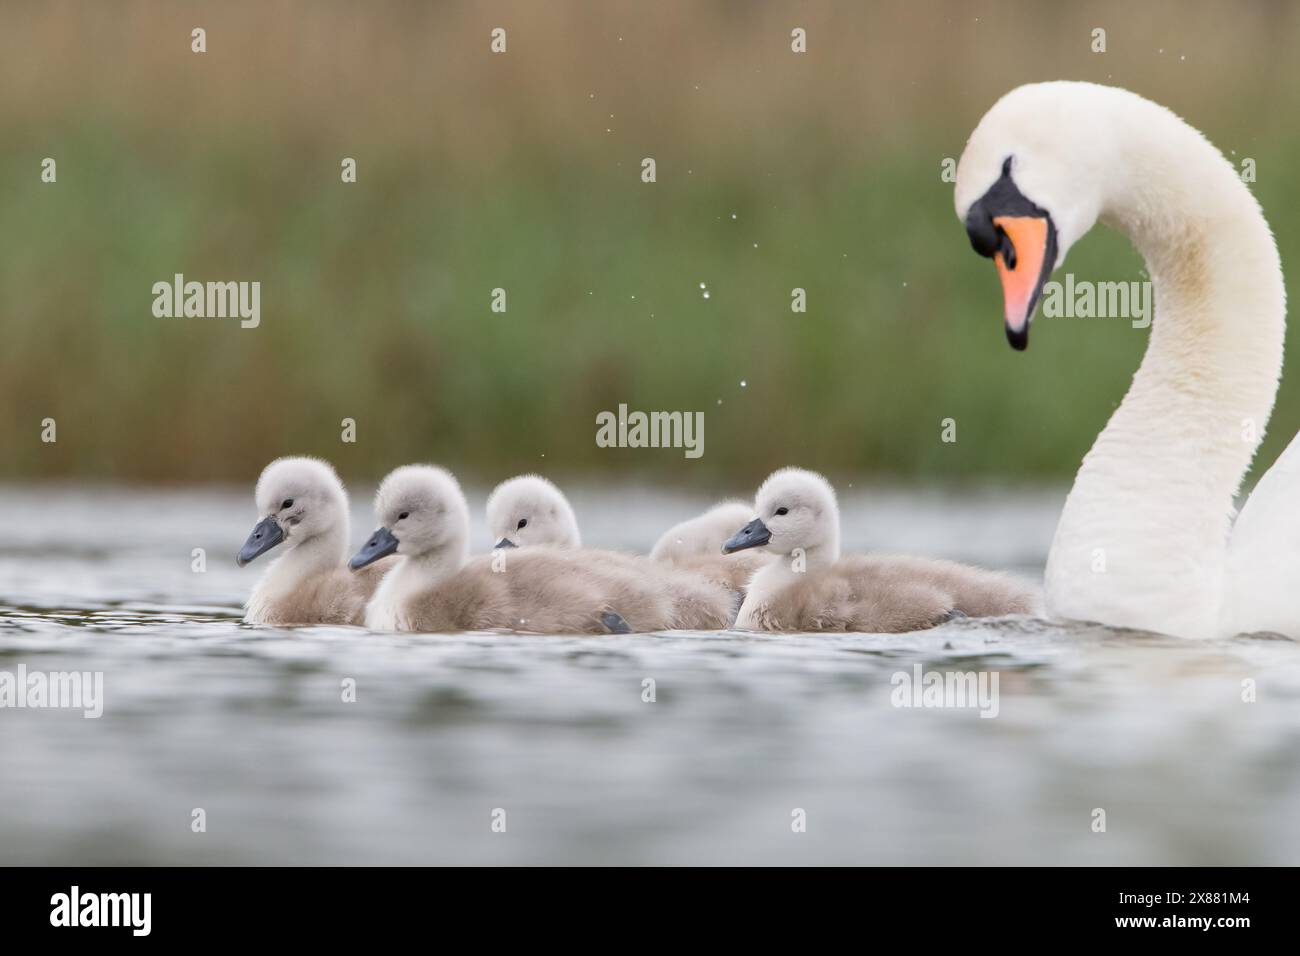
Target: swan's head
{"points": [[421, 511], [528, 509], [1032, 181], [297, 498], [794, 509]]}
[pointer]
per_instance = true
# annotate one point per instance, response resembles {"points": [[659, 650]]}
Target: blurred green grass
{"points": [[476, 174]]}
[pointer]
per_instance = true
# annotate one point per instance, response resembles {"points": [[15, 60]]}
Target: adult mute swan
{"points": [[1143, 537], [813, 588], [305, 507], [436, 587]]}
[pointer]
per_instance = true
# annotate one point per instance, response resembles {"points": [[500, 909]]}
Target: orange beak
{"points": [[1023, 276]]}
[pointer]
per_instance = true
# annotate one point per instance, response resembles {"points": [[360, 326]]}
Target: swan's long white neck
{"points": [[1142, 539]]}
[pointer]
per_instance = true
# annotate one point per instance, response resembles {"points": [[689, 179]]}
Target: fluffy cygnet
{"points": [[436, 587], [812, 588], [695, 546], [529, 509], [304, 507]]}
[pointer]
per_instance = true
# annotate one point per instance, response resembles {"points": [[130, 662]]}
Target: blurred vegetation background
{"points": [[522, 171]]}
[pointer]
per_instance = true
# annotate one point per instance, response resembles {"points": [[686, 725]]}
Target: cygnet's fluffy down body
{"points": [[528, 510], [548, 590], [695, 546], [882, 594], [811, 587], [545, 589]]}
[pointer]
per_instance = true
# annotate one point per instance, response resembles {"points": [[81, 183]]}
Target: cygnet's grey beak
{"points": [[265, 535], [381, 545], [505, 543], [753, 535]]}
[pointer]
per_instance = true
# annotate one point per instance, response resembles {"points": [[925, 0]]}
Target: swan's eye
{"points": [[523, 523], [783, 511], [404, 514], [287, 503]]}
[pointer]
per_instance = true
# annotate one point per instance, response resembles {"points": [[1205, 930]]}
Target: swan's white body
{"points": [[1261, 584], [1143, 537]]}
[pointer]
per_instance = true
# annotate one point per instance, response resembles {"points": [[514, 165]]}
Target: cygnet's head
{"points": [[298, 499], [794, 509], [528, 509], [703, 534], [421, 511]]}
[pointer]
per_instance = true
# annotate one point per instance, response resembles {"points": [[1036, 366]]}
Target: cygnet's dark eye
{"points": [[287, 503], [783, 511], [404, 514], [523, 523]]}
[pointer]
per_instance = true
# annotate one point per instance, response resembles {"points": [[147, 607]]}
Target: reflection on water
{"points": [[250, 725]]}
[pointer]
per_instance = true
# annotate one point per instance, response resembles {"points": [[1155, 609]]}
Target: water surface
{"points": [[249, 724]]}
